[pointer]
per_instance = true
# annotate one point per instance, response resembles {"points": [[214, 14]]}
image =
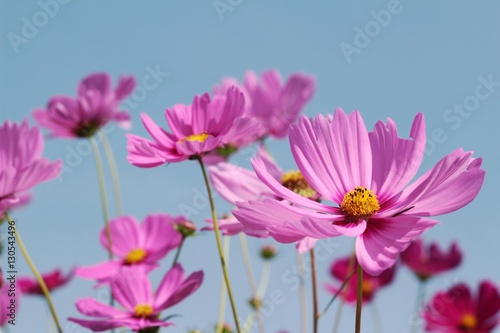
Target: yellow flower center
{"points": [[469, 321], [294, 181], [143, 310], [135, 256], [359, 204], [367, 287], [195, 137]]}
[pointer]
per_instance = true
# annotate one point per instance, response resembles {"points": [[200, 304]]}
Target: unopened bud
{"points": [[268, 252]]}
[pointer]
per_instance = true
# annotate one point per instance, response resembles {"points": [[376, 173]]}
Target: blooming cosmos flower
{"points": [[197, 129], [140, 307], [371, 284], [95, 105], [53, 280], [458, 311], [236, 184], [275, 104], [21, 164], [365, 174], [134, 245], [430, 261]]}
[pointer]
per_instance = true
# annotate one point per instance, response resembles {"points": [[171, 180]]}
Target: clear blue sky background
{"points": [[426, 57]]}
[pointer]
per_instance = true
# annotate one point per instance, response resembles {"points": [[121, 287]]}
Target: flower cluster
{"points": [[348, 181]]}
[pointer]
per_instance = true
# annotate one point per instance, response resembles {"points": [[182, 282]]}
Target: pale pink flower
{"points": [[134, 244], [21, 164], [429, 261], [458, 311], [140, 308], [365, 175], [196, 130], [275, 104], [95, 105], [236, 184], [53, 280]]}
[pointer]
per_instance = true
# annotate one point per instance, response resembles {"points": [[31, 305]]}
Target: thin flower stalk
{"points": [[115, 178]]}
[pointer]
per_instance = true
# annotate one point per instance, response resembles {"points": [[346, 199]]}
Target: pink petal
{"points": [[174, 288], [131, 286], [101, 271], [126, 235], [90, 307], [333, 156], [159, 236], [98, 325], [98, 81], [126, 85], [306, 244], [396, 160], [379, 246]]}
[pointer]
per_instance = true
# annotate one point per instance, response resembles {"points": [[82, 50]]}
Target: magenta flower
{"points": [[197, 129], [140, 307], [53, 280], [134, 245], [430, 261], [365, 175], [95, 105], [236, 184], [21, 164], [275, 104], [458, 311], [371, 284]]}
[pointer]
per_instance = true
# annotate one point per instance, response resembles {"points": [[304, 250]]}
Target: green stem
{"points": [[222, 296], [248, 264], [314, 291], [176, 258], [350, 271], [344, 284], [219, 245], [359, 299], [115, 178], [38, 277], [102, 191], [303, 294], [418, 302], [259, 295]]}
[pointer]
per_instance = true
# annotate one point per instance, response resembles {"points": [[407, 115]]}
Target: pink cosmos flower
{"points": [[365, 175], [134, 245], [21, 164], [140, 307], [236, 184], [458, 311], [430, 261], [197, 129], [275, 104], [53, 280], [95, 105], [371, 284]]}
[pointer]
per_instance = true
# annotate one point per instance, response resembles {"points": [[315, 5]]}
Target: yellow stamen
{"points": [[294, 181], [195, 137], [359, 204], [469, 321], [135, 256], [143, 310]]}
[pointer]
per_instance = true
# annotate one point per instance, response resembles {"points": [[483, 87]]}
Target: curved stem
{"points": [[102, 191], [314, 291], [178, 252], [37, 275], [248, 264], [219, 245], [115, 178], [359, 299], [303, 294], [222, 296]]}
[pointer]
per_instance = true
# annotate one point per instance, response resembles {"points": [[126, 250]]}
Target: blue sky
{"points": [[384, 58]]}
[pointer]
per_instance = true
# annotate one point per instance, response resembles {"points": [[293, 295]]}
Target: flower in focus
{"points": [[134, 245], [341, 271], [53, 280], [275, 104], [458, 311], [365, 174], [197, 129], [95, 105], [21, 164], [140, 308], [430, 261], [236, 184]]}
